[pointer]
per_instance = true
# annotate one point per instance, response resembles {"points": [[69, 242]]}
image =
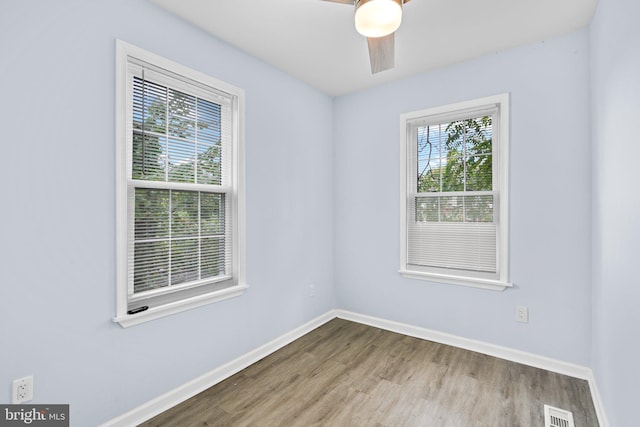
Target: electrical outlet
{"points": [[522, 314], [312, 290], [22, 390]]}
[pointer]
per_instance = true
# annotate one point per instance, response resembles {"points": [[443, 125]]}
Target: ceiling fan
{"points": [[378, 20]]}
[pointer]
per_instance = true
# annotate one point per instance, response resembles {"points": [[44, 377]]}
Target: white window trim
{"points": [[501, 156], [124, 51]]}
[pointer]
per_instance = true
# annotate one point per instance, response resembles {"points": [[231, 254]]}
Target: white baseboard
{"points": [[180, 394], [597, 401]]}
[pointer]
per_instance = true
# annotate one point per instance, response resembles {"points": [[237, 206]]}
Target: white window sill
{"points": [[127, 320], [494, 285]]}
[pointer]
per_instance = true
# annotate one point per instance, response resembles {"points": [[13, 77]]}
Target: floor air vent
{"points": [[554, 417]]}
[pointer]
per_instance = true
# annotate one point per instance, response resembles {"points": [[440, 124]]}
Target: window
{"points": [[179, 187], [454, 186]]}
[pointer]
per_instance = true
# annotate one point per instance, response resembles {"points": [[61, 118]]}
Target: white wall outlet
{"points": [[312, 290], [22, 390], [522, 314]]}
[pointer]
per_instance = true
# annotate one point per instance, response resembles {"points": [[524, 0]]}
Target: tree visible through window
{"points": [[179, 235], [455, 157], [454, 217], [180, 202]]}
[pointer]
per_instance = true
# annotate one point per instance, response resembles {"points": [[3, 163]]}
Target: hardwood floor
{"points": [[349, 374]]}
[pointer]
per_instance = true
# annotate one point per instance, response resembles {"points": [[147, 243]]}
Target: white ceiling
{"points": [[315, 41]]}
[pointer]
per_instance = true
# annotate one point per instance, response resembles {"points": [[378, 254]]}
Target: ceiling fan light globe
{"points": [[378, 18]]}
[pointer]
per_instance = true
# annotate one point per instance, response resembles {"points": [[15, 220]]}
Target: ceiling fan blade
{"points": [[351, 2], [381, 53]]}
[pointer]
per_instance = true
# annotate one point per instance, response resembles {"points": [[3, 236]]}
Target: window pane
{"points": [[427, 209], [455, 136], [184, 261], [455, 156], [454, 209], [478, 135], [151, 214], [180, 231], [429, 179], [478, 208], [149, 106], [182, 115], [148, 157], [453, 172], [212, 256], [209, 164], [209, 143], [451, 209], [182, 128], [190, 125], [440, 209], [181, 160], [479, 173], [209, 115], [151, 266], [212, 214], [429, 161], [184, 214]]}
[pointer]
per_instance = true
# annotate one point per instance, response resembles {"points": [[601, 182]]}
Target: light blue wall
{"points": [[322, 199], [550, 201], [615, 114], [57, 285]]}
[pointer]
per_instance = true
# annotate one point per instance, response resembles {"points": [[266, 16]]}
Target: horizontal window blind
{"points": [[456, 244], [179, 200], [470, 207], [180, 205], [180, 237], [452, 201], [178, 137]]}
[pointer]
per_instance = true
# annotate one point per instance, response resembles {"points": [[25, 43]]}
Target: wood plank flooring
{"points": [[348, 374]]}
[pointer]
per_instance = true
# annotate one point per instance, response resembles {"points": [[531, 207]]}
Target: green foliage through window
{"points": [[455, 157], [176, 136], [179, 236]]}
